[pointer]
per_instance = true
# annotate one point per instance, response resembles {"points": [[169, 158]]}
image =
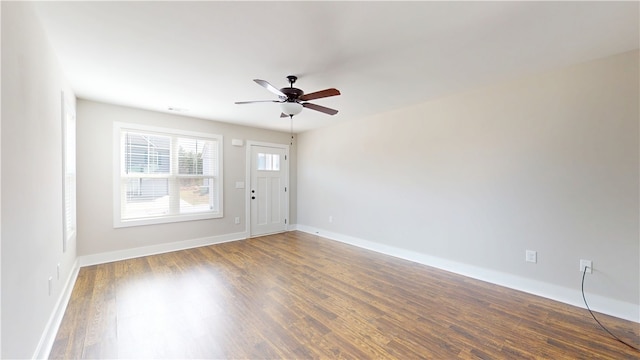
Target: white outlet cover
{"points": [[531, 256], [587, 264]]}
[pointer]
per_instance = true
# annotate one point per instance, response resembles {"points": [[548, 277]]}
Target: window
{"points": [[68, 171], [166, 175]]}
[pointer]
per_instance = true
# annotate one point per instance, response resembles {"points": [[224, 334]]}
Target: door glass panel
{"points": [[268, 162]]}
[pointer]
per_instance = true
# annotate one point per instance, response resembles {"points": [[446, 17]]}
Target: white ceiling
{"points": [[202, 56]]}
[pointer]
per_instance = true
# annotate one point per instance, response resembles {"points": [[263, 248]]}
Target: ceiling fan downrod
{"points": [[292, 80]]}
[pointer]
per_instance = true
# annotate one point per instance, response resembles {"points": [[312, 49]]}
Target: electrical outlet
{"points": [[330, 219], [237, 220], [531, 256], [587, 264]]}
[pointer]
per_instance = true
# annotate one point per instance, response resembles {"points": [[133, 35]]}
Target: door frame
{"points": [[247, 192]]}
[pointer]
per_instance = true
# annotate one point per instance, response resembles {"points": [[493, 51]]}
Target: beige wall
{"points": [[32, 83], [546, 163], [95, 179]]}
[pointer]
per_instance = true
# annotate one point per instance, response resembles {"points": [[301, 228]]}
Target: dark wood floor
{"points": [[296, 295]]}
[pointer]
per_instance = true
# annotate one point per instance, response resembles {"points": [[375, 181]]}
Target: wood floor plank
{"points": [[296, 295], [69, 341]]}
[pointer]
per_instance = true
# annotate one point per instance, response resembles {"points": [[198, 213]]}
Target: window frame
{"points": [[174, 134]]}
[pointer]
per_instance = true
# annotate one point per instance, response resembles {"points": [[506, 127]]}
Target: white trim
{"points": [[161, 130], [247, 189], [165, 219], [599, 303], [106, 257], [51, 329], [247, 214]]}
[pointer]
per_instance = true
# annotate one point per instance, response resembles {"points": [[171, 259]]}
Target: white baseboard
{"points": [[102, 258], [619, 309], [51, 329]]}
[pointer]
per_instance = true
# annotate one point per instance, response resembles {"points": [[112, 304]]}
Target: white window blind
{"points": [[69, 171], [166, 175]]}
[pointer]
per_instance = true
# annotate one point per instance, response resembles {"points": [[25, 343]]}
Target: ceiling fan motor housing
{"points": [[292, 93]]}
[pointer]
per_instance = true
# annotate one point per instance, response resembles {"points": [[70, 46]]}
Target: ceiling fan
{"points": [[292, 100]]}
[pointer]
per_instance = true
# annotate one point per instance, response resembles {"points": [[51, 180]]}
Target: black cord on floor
{"points": [[594, 317]]}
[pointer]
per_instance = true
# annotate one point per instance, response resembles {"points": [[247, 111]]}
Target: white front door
{"points": [[268, 190]]}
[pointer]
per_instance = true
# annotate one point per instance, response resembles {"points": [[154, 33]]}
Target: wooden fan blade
{"points": [[283, 115], [273, 89], [256, 101], [320, 94], [322, 109]]}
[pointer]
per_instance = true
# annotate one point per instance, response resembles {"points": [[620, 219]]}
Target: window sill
{"points": [[118, 223]]}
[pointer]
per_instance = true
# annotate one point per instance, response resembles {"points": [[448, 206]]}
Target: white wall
{"points": [[0, 184], [96, 234], [31, 182], [547, 163]]}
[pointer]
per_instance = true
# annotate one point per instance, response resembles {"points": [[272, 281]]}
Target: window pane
{"points": [[70, 203], [146, 154], [196, 157], [197, 195], [268, 162], [145, 198]]}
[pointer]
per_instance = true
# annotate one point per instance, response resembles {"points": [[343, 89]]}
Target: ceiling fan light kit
{"points": [[291, 108], [293, 100]]}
